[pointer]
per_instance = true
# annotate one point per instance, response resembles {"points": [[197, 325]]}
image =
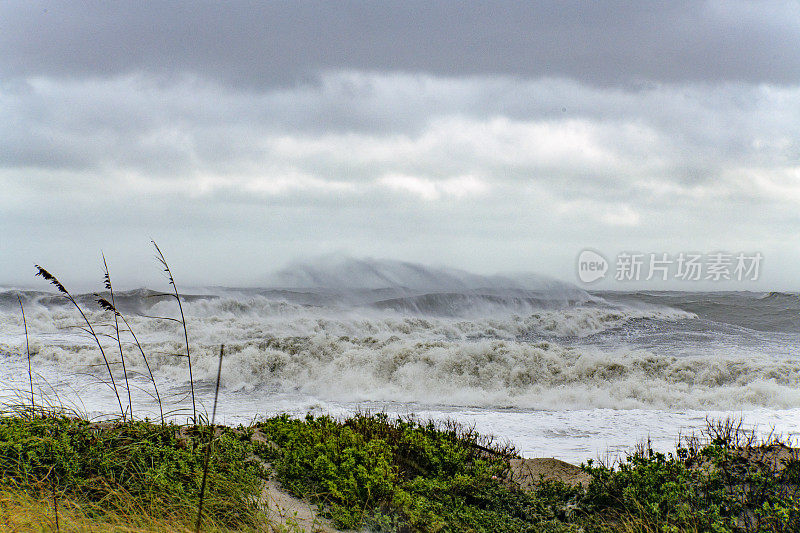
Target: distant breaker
{"points": [[383, 280]]}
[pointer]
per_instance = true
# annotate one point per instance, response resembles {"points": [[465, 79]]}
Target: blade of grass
{"points": [[163, 262], [53, 280], [28, 352], [55, 507], [110, 287], [108, 306], [210, 441]]}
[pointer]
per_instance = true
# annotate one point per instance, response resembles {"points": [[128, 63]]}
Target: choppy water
{"points": [[559, 371]]}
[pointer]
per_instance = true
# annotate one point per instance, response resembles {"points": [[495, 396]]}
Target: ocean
{"points": [[556, 370]]}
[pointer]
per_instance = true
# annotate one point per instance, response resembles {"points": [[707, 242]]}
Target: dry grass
{"points": [[21, 511]]}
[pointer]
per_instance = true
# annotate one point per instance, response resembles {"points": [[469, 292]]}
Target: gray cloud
{"points": [[217, 172], [510, 129], [261, 44], [485, 136]]}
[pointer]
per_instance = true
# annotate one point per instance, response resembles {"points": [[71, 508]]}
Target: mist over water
{"points": [[337, 272], [519, 355]]}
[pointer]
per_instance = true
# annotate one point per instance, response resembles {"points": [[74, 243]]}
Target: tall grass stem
{"points": [[57, 284], [28, 352], [163, 262], [110, 287], [211, 440]]}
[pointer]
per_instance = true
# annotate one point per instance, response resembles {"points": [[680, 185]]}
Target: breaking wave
{"points": [[546, 359], [361, 330]]}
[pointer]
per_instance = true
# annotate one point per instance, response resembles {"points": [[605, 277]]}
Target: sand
{"points": [[287, 513], [529, 472]]}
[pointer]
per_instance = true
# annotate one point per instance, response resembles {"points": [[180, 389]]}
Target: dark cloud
{"points": [[404, 124], [482, 135], [261, 44]]}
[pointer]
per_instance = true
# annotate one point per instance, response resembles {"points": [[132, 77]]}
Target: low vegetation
{"points": [[399, 475], [724, 481], [371, 472], [395, 475], [366, 472], [153, 469]]}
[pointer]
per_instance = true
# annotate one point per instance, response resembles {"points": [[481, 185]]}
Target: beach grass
{"points": [[120, 465], [369, 471], [22, 510]]}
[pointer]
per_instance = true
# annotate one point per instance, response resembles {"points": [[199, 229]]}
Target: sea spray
{"points": [[513, 357]]}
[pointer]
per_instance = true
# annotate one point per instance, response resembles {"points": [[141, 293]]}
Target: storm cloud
{"points": [[486, 136], [260, 44]]}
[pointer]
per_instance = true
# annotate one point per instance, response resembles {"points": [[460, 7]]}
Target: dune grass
{"points": [[88, 328], [22, 510], [160, 468], [168, 271], [59, 472]]}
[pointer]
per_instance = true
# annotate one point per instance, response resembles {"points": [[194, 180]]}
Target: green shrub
{"points": [[717, 487], [370, 471]]}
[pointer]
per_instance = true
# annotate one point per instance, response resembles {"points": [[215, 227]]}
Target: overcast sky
{"points": [[486, 136]]}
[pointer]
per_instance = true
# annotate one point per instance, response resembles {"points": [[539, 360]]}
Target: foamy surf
{"points": [[513, 355]]}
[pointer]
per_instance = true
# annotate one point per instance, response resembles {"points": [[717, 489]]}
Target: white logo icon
{"points": [[591, 266]]}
